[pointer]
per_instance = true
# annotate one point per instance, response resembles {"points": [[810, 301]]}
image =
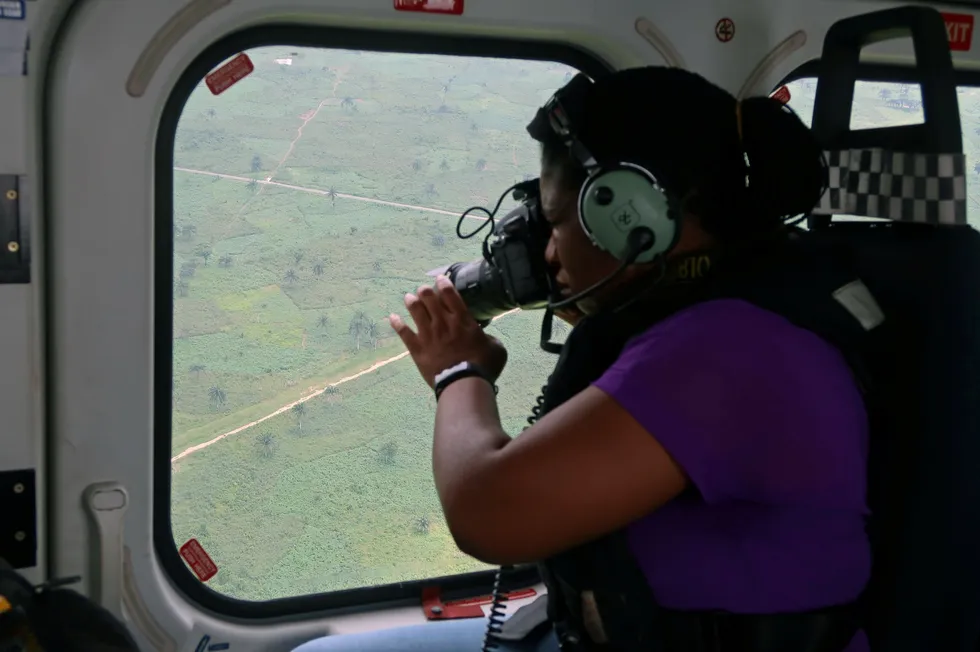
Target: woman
{"points": [[729, 444]]}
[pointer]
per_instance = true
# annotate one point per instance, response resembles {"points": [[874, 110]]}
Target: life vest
{"points": [[598, 598]]}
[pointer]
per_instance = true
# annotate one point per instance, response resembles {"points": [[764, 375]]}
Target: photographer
{"points": [[698, 455]]}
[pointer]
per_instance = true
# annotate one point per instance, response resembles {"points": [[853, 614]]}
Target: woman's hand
{"points": [[447, 333]]}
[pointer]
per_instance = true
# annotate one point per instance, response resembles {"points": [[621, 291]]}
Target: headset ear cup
{"points": [[614, 200]]}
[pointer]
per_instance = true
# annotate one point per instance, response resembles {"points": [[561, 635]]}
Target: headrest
{"points": [[874, 182]]}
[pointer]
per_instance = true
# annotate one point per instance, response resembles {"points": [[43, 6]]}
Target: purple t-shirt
{"points": [[768, 423]]}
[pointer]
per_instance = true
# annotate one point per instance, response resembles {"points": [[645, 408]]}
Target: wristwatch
{"points": [[447, 377]]}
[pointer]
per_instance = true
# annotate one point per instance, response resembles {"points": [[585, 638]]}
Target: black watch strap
{"points": [[449, 376]]}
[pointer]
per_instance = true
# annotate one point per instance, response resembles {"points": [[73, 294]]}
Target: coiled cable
{"points": [[495, 622]]}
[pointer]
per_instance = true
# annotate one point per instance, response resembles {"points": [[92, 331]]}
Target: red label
{"points": [[199, 561], [229, 74], [959, 28], [454, 7], [782, 95], [725, 30]]}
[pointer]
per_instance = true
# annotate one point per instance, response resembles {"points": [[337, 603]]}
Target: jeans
{"points": [[445, 636]]}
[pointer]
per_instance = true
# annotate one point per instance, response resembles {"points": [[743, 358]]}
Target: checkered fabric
{"points": [[929, 188]]}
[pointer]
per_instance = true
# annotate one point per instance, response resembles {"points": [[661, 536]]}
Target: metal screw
{"points": [[11, 195], [436, 610], [18, 488], [13, 247], [20, 535]]}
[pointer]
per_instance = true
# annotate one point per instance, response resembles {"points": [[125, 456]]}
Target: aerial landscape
{"points": [[309, 198]]}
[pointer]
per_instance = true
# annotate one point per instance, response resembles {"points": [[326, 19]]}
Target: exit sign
{"points": [[959, 28]]}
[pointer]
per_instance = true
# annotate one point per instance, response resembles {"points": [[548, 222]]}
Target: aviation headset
{"points": [[621, 205]]}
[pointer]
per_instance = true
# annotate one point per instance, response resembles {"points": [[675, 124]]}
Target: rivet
{"points": [[13, 247], [18, 488], [20, 535], [11, 195], [436, 610]]}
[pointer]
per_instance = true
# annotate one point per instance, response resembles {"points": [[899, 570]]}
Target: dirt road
{"points": [[325, 193], [289, 406]]}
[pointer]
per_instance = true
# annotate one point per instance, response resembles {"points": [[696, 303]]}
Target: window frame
{"points": [[287, 34], [878, 73]]}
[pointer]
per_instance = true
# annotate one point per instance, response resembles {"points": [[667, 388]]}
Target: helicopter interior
{"points": [[207, 207]]}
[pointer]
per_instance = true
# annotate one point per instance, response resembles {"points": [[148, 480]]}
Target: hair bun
{"points": [[787, 168]]}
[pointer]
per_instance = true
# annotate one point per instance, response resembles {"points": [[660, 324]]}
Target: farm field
{"points": [[309, 198]]}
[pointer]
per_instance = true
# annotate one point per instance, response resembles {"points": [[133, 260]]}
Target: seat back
{"points": [[923, 270], [924, 399]]}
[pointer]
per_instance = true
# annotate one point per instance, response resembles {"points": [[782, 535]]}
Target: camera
{"points": [[513, 272]]}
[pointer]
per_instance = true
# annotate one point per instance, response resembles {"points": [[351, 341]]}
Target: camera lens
{"points": [[481, 288]]}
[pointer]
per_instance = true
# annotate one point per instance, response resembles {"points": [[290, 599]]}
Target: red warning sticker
{"points": [[229, 74], [782, 94], [454, 7], [959, 27], [725, 30], [199, 561]]}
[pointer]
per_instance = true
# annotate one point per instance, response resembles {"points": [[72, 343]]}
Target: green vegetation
{"points": [[285, 270]]}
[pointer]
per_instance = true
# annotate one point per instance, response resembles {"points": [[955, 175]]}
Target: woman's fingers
{"points": [[418, 311], [408, 337], [450, 297], [430, 298]]}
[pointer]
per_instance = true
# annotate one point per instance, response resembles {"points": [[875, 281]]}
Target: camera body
{"points": [[513, 272]]}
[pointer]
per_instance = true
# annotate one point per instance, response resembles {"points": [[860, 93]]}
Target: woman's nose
{"points": [[551, 252]]}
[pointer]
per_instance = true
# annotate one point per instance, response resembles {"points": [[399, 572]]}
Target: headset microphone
{"points": [[638, 240]]}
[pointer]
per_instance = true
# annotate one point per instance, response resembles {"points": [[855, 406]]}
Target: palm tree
{"points": [[422, 525], [481, 165], [268, 442], [224, 261], [377, 265], [256, 163], [188, 231], [444, 165], [290, 276], [387, 453], [430, 191], [196, 369], [359, 327], [332, 194], [416, 165], [183, 289], [252, 185], [299, 410], [323, 321], [318, 268], [438, 240], [217, 396], [373, 333], [206, 255], [347, 103], [353, 230], [212, 113], [298, 256]]}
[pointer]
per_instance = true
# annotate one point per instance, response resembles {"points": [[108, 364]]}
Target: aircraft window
{"points": [[892, 104], [309, 198]]}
